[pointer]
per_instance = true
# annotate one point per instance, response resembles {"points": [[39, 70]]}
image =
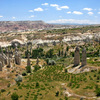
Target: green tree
{"points": [[37, 53], [66, 98], [28, 69], [65, 54], [67, 49], [36, 67], [37, 84], [57, 93], [26, 53], [59, 53], [62, 53], [49, 54], [66, 71]]}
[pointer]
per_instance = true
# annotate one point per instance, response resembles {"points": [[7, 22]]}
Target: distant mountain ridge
{"points": [[14, 26], [8, 26]]}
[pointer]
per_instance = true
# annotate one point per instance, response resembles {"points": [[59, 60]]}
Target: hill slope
{"points": [[7, 26]]}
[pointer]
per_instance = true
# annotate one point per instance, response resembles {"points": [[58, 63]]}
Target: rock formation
{"points": [[0, 66], [17, 57], [28, 60], [37, 61], [83, 57], [77, 57]]}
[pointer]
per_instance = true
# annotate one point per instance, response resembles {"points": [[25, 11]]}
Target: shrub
{"points": [[18, 83], [26, 53], [66, 98], [51, 62], [49, 54], [28, 69], [81, 98], [47, 60], [24, 74], [14, 96], [94, 75], [37, 84], [36, 67], [92, 70], [15, 89], [37, 53], [8, 93], [99, 72], [8, 85], [97, 91], [3, 90], [67, 49], [69, 84], [18, 79], [43, 88], [59, 53], [98, 77], [57, 93], [65, 70], [35, 97]]}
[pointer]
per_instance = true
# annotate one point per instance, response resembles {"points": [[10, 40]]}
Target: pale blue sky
{"points": [[51, 11]]}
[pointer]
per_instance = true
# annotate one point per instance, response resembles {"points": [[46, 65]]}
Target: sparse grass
{"points": [[45, 83]]}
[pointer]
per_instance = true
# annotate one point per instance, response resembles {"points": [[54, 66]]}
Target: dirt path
{"points": [[68, 92]]}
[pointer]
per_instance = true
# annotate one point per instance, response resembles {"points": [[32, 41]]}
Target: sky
{"points": [[51, 11]]}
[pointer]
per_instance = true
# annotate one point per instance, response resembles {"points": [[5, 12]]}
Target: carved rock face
{"points": [[2, 59], [77, 57], [17, 58], [28, 60], [83, 57], [0, 66]]}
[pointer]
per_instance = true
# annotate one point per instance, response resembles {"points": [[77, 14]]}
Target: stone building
{"points": [[83, 57], [77, 57]]}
